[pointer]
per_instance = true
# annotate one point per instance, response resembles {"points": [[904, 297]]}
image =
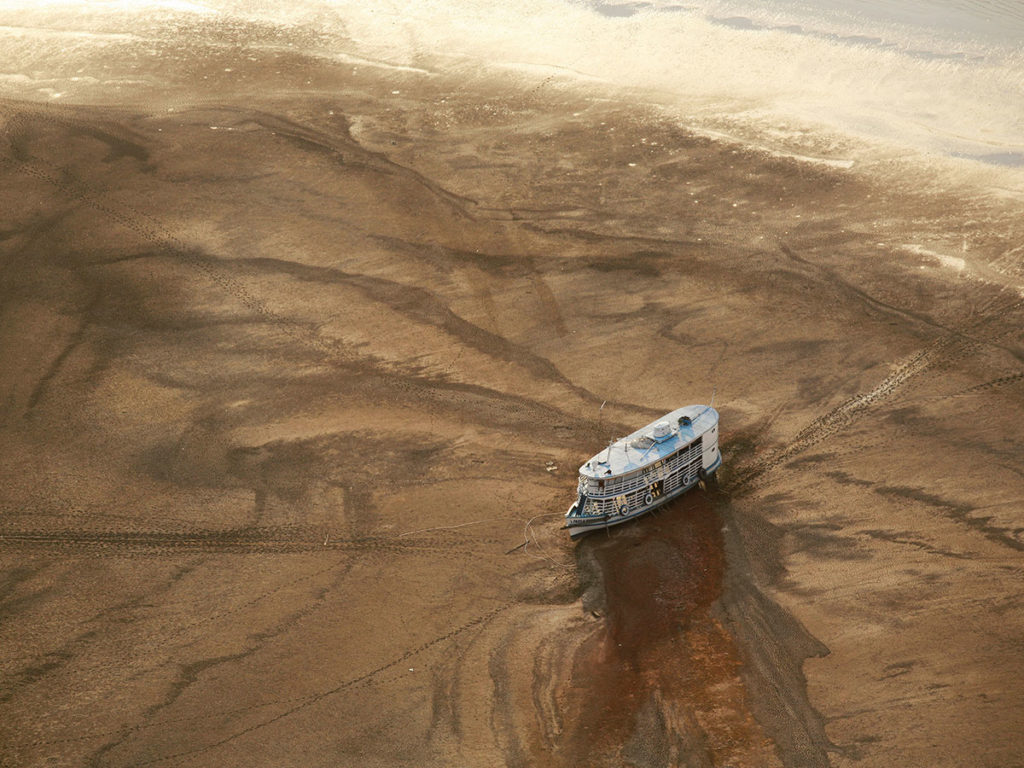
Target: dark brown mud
{"points": [[660, 683]]}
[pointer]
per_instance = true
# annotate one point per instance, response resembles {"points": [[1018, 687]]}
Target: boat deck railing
{"points": [[685, 475], [659, 470]]}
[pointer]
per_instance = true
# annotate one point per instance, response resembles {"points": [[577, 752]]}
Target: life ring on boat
{"points": [[648, 499], [623, 508]]}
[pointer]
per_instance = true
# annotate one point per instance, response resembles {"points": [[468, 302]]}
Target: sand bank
{"points": [[287, 381]]}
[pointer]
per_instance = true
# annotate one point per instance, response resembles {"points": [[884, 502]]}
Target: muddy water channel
{"points": [[659, 684]]}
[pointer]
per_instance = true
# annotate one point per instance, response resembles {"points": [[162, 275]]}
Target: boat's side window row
{"points": [[670, 464]]}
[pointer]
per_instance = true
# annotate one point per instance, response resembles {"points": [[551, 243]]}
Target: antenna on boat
{"points": [[710, 406], [608, 454]]}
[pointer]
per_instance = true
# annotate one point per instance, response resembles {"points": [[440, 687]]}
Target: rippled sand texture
{"points": [[288, 383]]}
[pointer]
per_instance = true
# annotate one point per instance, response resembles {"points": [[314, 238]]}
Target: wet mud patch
{"points": [[659, 683]]}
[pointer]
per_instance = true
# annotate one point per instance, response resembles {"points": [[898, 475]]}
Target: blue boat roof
{"points": [[652, 443]]}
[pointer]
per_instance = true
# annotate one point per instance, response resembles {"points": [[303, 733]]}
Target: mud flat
{"points": [[289, 378]]}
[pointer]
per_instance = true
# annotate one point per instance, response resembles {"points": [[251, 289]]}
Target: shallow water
{"points": [[998, 22]]}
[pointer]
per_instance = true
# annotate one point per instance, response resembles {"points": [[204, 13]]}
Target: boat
{"points": [[646, 469]]}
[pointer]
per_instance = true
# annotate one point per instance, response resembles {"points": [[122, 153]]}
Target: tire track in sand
{"points": [[954, 344], [241, 542], [847, 412], [314, 698]]}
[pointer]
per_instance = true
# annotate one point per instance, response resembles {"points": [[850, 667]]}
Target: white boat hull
{"points": [[643, 471], [581, 526]]}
